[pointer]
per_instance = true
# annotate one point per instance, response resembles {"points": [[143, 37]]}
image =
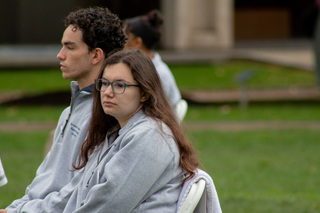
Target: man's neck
{"points": [[88, 80]]}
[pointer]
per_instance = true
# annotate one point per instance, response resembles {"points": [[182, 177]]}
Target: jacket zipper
{"points": [[71, 109]]}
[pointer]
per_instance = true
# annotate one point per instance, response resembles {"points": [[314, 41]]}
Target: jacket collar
{"points": [[135, 118], [75, 88]]}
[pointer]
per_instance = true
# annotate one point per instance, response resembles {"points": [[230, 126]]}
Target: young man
{"points": [[90, 35]]}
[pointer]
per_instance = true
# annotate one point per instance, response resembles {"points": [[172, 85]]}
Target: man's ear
{"points": [[97, 55]]}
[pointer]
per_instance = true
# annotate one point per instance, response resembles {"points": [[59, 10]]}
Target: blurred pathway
{"points": [[262, 96], [293, 53], [198, 125]]}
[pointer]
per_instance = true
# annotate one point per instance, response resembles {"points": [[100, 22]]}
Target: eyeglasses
{"points": [[118, 87]]}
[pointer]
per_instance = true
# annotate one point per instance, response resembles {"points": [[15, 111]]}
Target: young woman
{"points": [[144, 33], [136, 156]]}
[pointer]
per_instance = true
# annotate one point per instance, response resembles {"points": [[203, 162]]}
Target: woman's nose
{"points": [[109, 91]]}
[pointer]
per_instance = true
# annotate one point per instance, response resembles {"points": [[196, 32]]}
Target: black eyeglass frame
{"points": [[99, 84]]}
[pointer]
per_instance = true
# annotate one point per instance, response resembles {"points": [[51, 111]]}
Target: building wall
{"points": [[8, 21], [41, 21], [189, 24], [33, 21], [274, 19], [262, 23], [193, 24]]}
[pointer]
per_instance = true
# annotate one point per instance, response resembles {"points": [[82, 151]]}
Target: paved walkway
{"points": [[297, 54], [261, 96], [199, 125], [293, 53]]}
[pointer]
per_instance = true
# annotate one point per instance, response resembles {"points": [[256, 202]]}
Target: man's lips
{"points": [[62, 67]]}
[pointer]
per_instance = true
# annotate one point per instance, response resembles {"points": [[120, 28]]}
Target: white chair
{"points": [[3, 178], [198, 195], [193, 197], [181, 109]]}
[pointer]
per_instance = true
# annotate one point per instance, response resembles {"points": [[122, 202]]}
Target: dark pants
{"points": [[317, 49]]}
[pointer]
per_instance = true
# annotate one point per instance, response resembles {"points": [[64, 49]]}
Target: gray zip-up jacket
{"points": [[136, 169], [56, 170]]}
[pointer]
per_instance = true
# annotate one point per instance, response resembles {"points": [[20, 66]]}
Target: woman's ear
{"points": [[98, 55], [139, 42], [144, 97]]}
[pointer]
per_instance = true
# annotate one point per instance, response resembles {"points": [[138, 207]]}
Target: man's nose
{"points": [[60, 55]]}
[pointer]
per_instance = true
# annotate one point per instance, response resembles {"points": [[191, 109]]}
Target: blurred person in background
{"points": [[144, 33]]}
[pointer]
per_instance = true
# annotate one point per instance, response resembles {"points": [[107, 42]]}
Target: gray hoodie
{"points": [[56, 170], [136, 169]]}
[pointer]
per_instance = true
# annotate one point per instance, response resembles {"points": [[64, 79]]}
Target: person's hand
{"points": [[3, 211]]}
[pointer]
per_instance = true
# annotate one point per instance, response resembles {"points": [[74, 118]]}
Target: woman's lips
{"points": [[108, 103]]}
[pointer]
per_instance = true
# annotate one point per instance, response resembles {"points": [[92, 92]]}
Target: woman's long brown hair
{"points": [[156, 106]]}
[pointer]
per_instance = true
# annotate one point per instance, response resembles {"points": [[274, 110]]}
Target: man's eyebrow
{"points": [[68, 42]]}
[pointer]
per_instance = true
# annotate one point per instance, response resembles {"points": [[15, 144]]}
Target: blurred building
{"points": [[189, 24]]}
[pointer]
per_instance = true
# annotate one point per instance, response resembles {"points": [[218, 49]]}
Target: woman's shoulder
{"points": [[148, 128], [153, 136], [148, 124]]}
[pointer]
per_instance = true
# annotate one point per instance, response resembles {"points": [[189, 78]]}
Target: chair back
{"points": [[199, 195], [181, 109], [3, 178], [193, 197]]}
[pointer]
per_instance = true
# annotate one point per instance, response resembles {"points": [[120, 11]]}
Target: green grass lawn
{"points": [[263, 171], [188, 77], [21, 154], [254, 171], [30, 113], [222, 76], [32, 81]]}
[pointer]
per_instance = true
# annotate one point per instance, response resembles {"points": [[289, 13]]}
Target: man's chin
{"points": [[66, 76]]}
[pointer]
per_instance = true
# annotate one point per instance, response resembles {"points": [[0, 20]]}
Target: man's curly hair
{"points": [[100, 28]]}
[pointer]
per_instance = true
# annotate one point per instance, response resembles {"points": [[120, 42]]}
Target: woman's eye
{"points": [[119, 84]]}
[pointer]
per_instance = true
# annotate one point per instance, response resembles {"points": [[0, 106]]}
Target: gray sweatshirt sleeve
{"points": [[15, 204], [143, 165], [44, 168], [53, 202]]}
